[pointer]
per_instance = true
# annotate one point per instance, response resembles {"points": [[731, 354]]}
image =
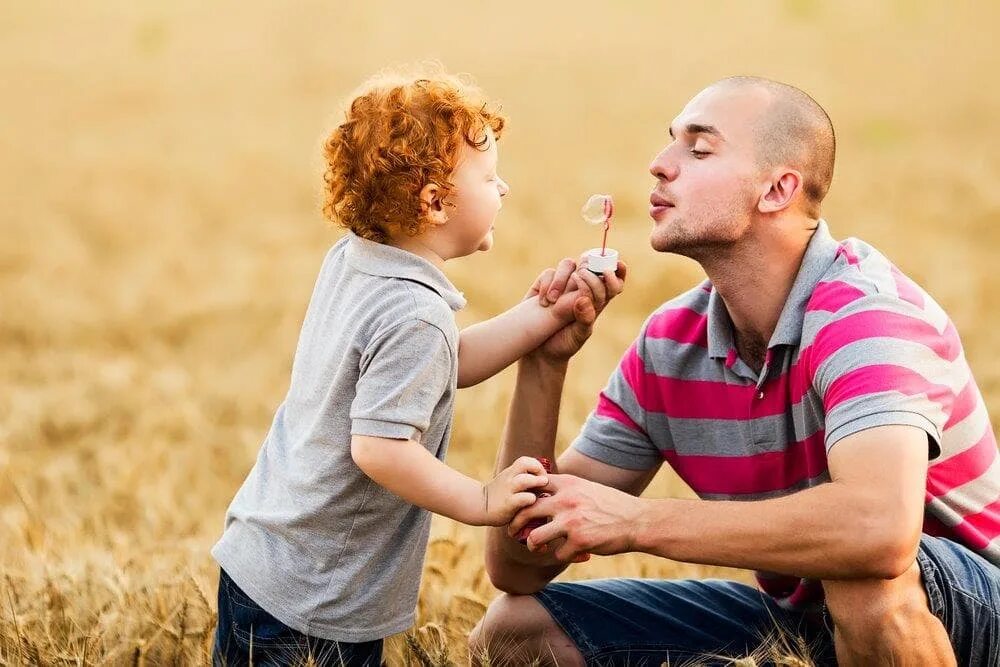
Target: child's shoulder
{"points": [[386, 304], [375, 292], [416, 302]]}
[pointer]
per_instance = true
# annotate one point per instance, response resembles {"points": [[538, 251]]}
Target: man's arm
{"points": [[532, 421], [531, 431], [865, 523]]}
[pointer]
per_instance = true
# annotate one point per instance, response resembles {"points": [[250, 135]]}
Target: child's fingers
{"points": [[564, 270], [523, 499], [541, 285], [528, 464], [581, 558], [525, 481]]}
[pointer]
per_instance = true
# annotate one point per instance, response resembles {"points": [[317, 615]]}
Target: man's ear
{"points": [[780, 191], [432, 204]]}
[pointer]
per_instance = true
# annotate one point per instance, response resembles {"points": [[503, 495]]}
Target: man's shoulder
{"points": [[861, 278], [694, 300], [682, 320], [863, 297]]}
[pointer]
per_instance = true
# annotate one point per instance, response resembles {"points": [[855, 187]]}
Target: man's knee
{"points": [[515, 629], [510, 622], [868, 607]]}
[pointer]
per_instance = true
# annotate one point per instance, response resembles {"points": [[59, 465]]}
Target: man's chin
{"points": [[671, 243], [661, 242]]}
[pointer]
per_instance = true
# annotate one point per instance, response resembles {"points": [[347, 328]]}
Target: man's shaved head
{"points": [[729, 169], [794, 131]]}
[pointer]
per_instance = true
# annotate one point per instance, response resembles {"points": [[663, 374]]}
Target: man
{"points": [[817, 401]]}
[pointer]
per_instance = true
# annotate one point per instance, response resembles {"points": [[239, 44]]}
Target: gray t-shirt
{"points": [[310, 537]]}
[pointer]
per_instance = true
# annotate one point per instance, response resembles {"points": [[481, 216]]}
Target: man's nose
{"points": [[662, 167]]}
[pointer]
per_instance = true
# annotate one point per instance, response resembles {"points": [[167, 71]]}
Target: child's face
{"points": [[475, 199]]}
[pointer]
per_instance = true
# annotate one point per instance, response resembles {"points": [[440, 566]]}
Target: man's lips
{"points": [[658, 204]]}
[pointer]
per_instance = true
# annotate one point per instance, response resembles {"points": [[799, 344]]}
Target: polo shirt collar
{"points": [[720, 327], [379, 259], [820, 254], [821, 251]]}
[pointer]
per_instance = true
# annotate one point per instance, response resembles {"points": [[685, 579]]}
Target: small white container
{"points": [[596, 263]]}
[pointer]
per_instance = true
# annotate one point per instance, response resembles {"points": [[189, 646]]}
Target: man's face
{"points": [[708, 178]]}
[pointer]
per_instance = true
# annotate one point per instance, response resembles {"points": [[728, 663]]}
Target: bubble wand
{"points": [[598, 211]]}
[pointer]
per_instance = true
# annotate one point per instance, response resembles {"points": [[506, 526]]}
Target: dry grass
{"points": [[159, 175]]}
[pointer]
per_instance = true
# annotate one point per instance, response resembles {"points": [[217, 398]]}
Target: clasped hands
{"points": [[584, 518]]}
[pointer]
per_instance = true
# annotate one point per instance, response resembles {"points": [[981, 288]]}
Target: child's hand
{"points": [[563, 307], [510, 491], [550, 283]]}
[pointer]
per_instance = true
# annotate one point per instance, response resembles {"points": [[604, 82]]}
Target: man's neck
{"points": [[755, 277]]}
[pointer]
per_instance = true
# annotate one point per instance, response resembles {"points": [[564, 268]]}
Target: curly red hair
{"points": [[400, 133]]}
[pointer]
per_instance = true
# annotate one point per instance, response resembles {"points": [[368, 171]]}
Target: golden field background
{"points": [[160, 226]]}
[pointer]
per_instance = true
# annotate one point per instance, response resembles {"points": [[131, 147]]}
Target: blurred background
{"points": [[161, 233]]}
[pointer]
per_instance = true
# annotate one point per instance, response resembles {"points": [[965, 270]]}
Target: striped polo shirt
{"points": [[857, 345]]}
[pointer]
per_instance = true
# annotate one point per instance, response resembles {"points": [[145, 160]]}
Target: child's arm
{"points": [[411, 472], [486, 348]]}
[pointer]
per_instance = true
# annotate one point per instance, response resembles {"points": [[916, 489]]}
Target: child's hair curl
{"points": [[400, 133]]}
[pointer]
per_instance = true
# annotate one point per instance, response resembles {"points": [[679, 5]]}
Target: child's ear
{"points": [[432, 205]]}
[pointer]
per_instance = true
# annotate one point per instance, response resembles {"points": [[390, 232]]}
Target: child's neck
{"points": [[418, 246]]}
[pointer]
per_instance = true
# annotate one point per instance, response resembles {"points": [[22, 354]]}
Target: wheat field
{"points": [[160, 174]]}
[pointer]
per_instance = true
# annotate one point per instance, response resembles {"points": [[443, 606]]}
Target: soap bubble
{"points": [[598, 209]]}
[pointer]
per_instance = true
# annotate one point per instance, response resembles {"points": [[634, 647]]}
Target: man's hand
{"points": [[594, 294], [592, 518]]}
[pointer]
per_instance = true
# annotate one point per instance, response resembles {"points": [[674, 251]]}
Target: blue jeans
{"points": [[247, 634], [648, 622]]}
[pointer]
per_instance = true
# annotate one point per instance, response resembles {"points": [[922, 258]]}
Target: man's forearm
{"points": [[533, 417], [827, 532], [488, 347], [530, 430]]}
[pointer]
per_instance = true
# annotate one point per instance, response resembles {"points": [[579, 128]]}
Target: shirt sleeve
{"points": [[404, 375], [882, 361], [615, 432]]}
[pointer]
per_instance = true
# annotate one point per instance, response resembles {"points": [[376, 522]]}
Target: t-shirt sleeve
{"points": [[615, 431], [881, 361], [404, 374]]}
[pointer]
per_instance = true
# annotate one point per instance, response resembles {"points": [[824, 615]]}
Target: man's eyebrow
{"points": [[697, 128]]}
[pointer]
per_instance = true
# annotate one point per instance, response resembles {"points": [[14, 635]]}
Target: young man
{"points": [[813, 394]]}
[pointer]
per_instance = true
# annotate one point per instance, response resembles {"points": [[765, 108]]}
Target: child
{"points": [[323, 544]]}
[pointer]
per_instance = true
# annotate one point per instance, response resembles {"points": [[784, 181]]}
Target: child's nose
{"points": [[504, 188]]}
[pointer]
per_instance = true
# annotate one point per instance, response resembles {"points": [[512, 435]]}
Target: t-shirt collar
{"points": [[379, 259]]}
